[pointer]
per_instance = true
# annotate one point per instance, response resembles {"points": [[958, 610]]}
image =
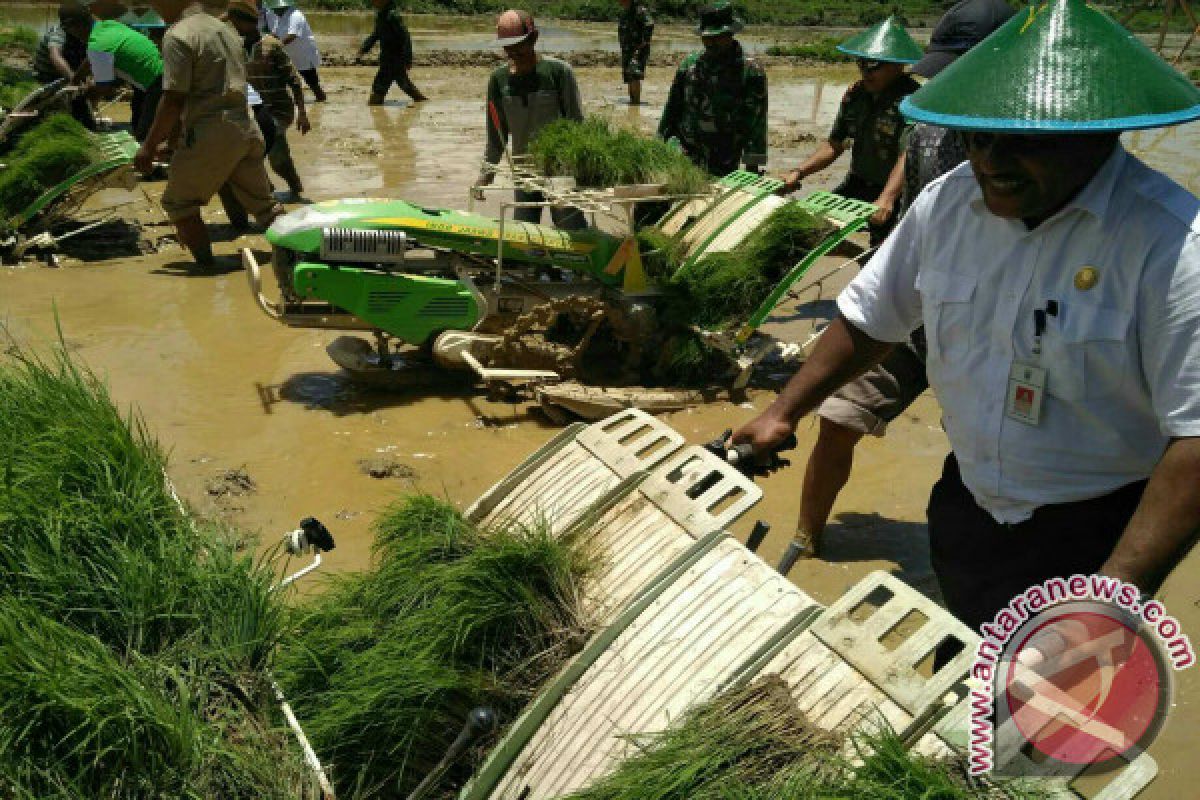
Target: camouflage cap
{"points": [[1058, 66], [719, 19], [887, 41]]}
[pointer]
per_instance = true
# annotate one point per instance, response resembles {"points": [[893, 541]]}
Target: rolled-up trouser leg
{"points": [[237, 215], [215, 151], [280, 157]]}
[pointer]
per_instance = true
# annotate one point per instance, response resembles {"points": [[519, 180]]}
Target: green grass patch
{"points": [[134, 641], [823, 50], [753, 743], [20, 37], [388, 662], [43, 156], [15, 85], [599, 154]]}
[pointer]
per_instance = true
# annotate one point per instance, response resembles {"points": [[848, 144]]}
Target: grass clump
{"points": [[134, 642], [823, 50], [44, 156], [21, 38], [598, 154], [15, 85], [754, 743], [388, 662]]}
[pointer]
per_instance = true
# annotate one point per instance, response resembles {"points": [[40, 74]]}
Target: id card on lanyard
{"points": [[1027, 381]]}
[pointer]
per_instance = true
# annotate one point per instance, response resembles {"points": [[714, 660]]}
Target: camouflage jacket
{"points": [[635, 26], [395, 42], [717, 109], [271, 72]]}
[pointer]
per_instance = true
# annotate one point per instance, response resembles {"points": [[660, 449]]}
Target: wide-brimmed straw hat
{"points": [[1060, 66], [887, 41], [242, 8]]}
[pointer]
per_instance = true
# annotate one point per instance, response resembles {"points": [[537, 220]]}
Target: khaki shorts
{"points": [[868, 403], [226, 147]]}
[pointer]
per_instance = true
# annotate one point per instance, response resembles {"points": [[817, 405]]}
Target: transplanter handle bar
{"points": [[310, 755], [311, 535], [745, 459], [480, 722]]}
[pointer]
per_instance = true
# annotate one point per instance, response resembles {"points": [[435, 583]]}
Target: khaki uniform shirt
{"points": [[203, 59]]}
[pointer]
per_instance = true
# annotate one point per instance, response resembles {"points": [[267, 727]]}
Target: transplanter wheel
{"points": [[577, 337]]}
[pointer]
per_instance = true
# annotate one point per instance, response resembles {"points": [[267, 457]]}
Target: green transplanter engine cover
{"points": [[589, 251], [399, 300], [409, 307]]}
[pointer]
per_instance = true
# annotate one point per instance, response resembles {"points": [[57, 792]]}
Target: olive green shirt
{"points": [[203, 59], [876, 125]]}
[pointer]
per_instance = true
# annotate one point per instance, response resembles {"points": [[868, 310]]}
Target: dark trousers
{"points": [[856, 188], [313, 80], [234, 210], [393, 71], [981, 564], [143, 107]]}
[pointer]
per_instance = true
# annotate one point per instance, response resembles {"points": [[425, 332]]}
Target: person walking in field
{"points": [[288, 24], [635, 27], [395, 54]]}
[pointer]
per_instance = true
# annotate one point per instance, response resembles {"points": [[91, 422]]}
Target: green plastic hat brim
{"points": [[1070, 69], [887, 41]]}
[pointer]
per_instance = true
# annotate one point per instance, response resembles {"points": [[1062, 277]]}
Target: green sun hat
{"points": [[1059, 66], [144, 21], [718, 19], [278, 5], [887, 41]]}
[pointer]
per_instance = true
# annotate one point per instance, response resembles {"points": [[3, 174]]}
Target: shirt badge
{"points": [[1086, 278]]}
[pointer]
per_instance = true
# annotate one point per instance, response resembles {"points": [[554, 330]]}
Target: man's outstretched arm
{"points": [[842, 353]]}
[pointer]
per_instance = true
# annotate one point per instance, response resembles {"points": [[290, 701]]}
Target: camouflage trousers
{"points": [[633, 63]]}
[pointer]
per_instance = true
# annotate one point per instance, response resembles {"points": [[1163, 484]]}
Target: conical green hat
{"points": [[1056, 66], [887, 41]]}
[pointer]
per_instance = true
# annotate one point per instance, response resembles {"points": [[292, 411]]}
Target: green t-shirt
{"points": [[117, 51]]}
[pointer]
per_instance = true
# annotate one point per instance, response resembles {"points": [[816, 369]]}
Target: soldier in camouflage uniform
{"points": [[635, 26], [717, 108], [395, 53]]}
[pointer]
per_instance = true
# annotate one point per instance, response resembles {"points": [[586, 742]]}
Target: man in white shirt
{"points": [[1058, 279], [288, 24]]}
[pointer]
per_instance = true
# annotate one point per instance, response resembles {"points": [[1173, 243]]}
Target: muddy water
{"points": [[345, 30], [223, 387]]}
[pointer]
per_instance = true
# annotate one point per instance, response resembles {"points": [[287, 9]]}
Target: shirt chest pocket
{"points": [[1086, 351], [946, 298]]}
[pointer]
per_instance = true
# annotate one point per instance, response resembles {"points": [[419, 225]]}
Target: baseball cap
{"points": [[514, 27], [966, 24]]}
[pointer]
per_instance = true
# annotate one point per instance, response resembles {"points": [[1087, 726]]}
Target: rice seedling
{"points": [[135, 641], [44, 156], [748, 742], [783, 240], [598, 155], [15, 85], [754, 743], [387, 663]]}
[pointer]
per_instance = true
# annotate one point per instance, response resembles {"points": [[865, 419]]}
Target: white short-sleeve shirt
{"points": [[303, 51], [1122, 356]]}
